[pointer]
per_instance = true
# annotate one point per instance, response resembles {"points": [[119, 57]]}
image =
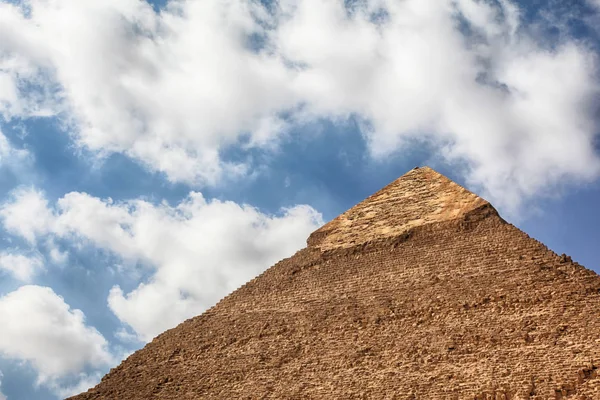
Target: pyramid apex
{"points": [[420, 197]]}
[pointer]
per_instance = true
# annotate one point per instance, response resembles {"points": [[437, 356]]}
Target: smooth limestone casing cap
{"points": [[421, 196]]}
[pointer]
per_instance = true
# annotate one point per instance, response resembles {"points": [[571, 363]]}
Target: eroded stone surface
{"points": [[465, 306]]}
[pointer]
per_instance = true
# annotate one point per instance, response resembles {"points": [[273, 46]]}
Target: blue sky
{"points": [[154, 157]]}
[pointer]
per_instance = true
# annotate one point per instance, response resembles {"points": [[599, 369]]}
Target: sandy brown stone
{"points": [[420, 292], [420, 197]]}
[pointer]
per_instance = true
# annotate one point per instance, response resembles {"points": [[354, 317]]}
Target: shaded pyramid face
{"points": [[419, 292]]}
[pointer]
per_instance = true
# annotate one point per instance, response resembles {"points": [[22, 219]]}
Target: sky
{"points": [[154, 156]]}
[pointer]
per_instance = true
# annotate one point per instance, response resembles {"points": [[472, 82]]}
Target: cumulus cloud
{"points": [[518, 114], [196, 251], [136, 82], [26, 214], [50, 336], [22, 267], [173, 89]]}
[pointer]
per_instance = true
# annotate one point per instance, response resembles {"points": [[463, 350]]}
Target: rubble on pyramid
{"points": [[421, 291]]}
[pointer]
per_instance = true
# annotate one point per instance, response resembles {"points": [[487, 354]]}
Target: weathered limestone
{"points": [[420, 292], [420, 197]]}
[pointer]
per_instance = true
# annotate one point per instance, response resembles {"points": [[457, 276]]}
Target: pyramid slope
{"points": [[467, 307]]}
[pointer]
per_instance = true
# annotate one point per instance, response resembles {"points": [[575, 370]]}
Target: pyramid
{"points": [[421, 291]]}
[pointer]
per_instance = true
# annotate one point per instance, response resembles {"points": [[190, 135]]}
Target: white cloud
{"points": [[57, 256], [8, 153], [172, 89], [21, 266], [27, 213], [127, 337], [2, 396], [53, 338], [142, 84], [84, 382], [517, 113], [5, 147], [197, 251]]}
